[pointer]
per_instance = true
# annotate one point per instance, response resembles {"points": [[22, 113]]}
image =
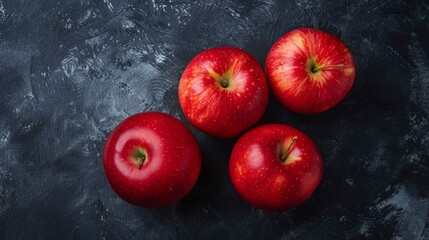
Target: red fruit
{"points": [[275, 167], [223, 91], [151, 159], [310, 71]]}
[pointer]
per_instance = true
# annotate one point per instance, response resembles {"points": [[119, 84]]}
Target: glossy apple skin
{"points": [[263, 180], [172, 165], [288, 69], [216, 110]]}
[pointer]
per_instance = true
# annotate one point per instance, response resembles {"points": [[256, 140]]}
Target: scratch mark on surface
{"points": [[109, 5], [2, 12]]}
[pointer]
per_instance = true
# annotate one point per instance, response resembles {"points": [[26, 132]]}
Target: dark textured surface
{"points": [[71, 70]]}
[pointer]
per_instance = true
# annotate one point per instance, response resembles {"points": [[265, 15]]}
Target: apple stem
{"points": [[139, 155], [140, 161], [286, 154], [224, 83], [325, 67]]}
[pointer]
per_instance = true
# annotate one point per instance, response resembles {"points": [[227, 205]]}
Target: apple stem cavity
{"points": [[139, 155], [285, 155], [318, 68]]}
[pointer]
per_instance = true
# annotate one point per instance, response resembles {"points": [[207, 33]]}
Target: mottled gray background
{"points": [[71, 70]]}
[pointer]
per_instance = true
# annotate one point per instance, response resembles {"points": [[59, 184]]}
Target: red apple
{"points": [[309, 70], [151, 159], [275, 167], [223, 91]]}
